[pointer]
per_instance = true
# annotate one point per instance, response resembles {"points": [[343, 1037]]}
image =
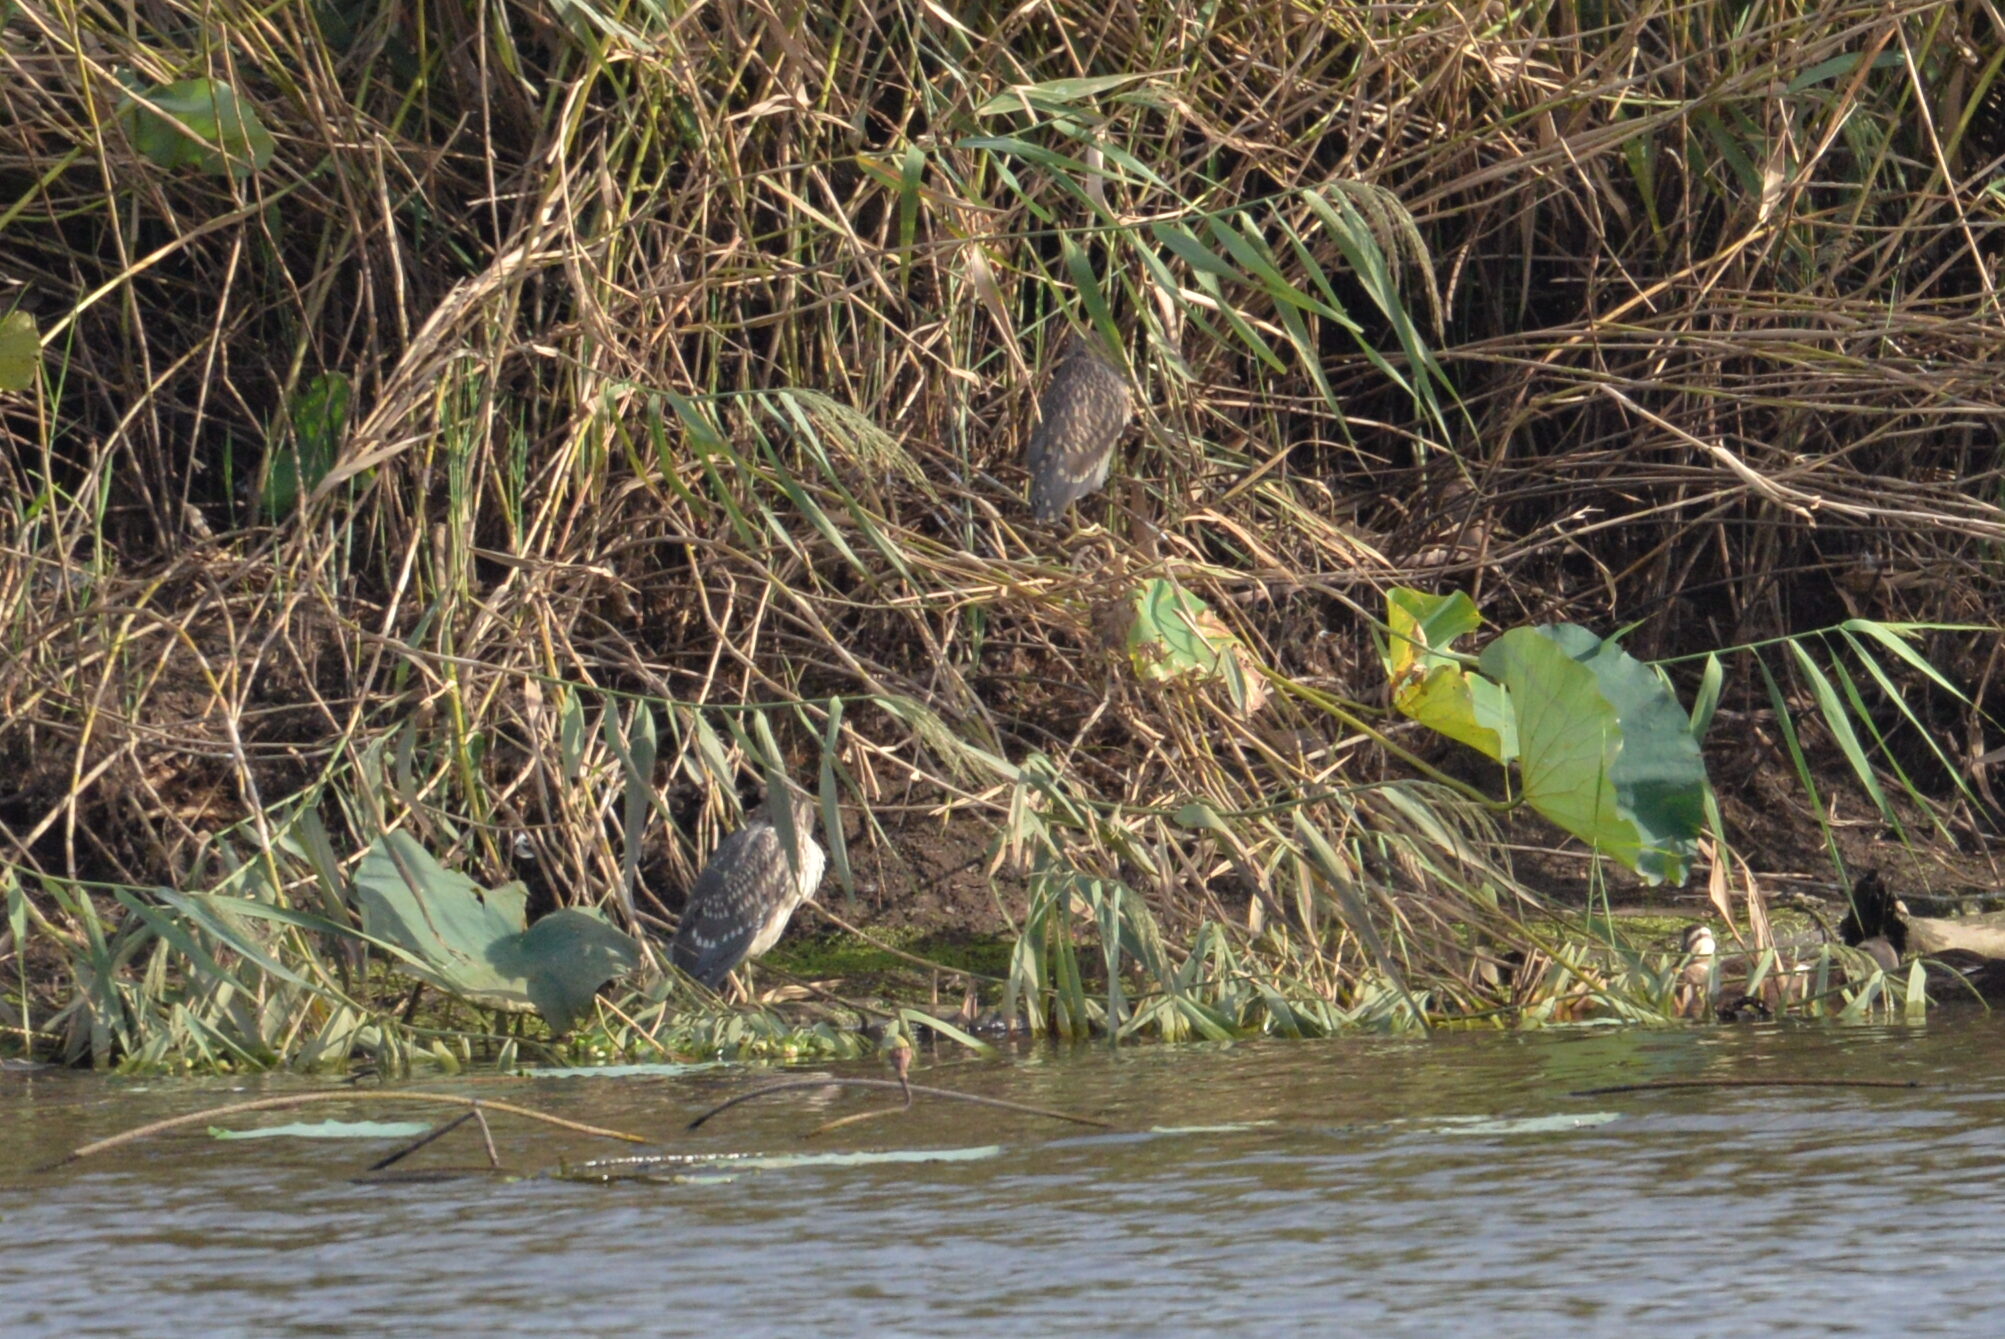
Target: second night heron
{"points": [[745, 895], [1080, 416]]}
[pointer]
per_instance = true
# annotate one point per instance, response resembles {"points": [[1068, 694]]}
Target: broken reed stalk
{"points": [[486, 1137], [901, 1086], [439, 1132], [307, 1099], [901, 1061], [856, 1118]]}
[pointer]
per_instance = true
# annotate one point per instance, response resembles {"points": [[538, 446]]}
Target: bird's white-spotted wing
{"points": [[1081, 415], [741, 902]]}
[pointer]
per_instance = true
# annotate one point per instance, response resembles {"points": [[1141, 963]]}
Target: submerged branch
{"points": [[474, 1104], [1666, 1085], [896, 1085]]}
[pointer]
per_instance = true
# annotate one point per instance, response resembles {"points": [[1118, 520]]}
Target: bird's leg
{"points": [[901, 1061]]}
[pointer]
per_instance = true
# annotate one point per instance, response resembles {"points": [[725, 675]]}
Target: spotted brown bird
{"points": [[1081, 415], [745, 895]]}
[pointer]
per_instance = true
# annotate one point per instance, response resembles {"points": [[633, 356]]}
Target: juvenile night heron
{"points": [[1081, 415], [745, 895]]}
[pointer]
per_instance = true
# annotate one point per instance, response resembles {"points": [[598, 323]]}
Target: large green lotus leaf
{"points": [[1604, 749], [471, 941], [1433, 688], [1464, 706], [443, 919], [228, 136], [562, 961]]}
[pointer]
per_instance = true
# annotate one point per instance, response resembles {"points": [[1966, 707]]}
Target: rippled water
{"points": [[1431, 1186]]}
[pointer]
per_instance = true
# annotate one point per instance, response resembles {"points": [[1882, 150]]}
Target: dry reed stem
{"points": [[1717, 325]]}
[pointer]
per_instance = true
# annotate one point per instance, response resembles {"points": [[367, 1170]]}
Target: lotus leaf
{"points": [[227, 136], [475, 943]]}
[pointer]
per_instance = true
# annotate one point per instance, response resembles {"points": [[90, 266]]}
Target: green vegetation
{"points": [[487, 435], [825, 955], [1603, 749]]}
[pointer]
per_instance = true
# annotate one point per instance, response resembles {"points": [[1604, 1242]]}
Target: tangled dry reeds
{"points": [[569, 365]]}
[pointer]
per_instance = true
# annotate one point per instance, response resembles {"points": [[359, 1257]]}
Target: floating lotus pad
{"points": [[329, 1129]]}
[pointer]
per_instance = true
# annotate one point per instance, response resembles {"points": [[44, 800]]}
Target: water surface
{"points": [[1429, 1186]]}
